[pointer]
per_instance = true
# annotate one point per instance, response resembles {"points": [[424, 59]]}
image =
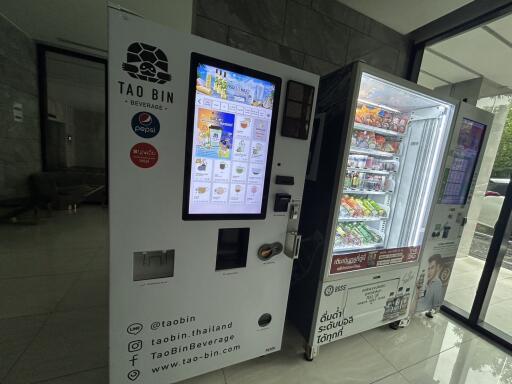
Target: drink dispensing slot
{"points": [[232, 248], [157, 264]]}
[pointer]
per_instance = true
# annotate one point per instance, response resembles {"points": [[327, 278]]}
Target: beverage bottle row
{"points": [[368, 182], [357, 207], [355, 234], [397, 305], [371, 162]]}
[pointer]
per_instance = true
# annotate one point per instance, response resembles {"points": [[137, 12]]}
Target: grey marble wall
{"points": [[316, 35], [20, 148]]}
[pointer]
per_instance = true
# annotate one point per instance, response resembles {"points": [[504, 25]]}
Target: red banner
{"points": [[370, 259]]}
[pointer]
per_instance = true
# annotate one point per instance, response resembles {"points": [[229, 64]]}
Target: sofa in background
{"points": [[67, 188]]}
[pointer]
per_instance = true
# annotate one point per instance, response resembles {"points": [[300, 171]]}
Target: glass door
{"points": [[497, 310], [480, 286], [387, 184]]}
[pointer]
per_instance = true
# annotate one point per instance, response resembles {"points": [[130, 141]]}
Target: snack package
{"points": [[381, 118], [380, 142], [402, 123], [390, 165], [392, 146]]}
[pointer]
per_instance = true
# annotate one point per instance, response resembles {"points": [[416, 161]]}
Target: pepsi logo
{"points": [[145, 125], [145, 118]]}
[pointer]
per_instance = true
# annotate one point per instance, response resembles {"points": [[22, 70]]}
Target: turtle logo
{"points": [[145, 62]]}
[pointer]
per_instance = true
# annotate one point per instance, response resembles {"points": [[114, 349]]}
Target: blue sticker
{"points": [[145, 125]]}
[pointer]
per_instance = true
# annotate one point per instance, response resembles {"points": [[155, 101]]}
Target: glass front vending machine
{"points": [[378, 160]]}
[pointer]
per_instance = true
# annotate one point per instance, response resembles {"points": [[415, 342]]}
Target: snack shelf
{"points": [[368, 102], [364, 192], [337, 250], [367, 218], [367, 170], [382, 131], [373, 152]]}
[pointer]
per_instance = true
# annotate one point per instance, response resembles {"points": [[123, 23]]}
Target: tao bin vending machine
{"points": [[208, 149]]}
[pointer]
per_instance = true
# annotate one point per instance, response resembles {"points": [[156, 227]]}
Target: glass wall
{"points": [[485, 205], [480, 285]]}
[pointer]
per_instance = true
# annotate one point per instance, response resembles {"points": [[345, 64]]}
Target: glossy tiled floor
{"points": [[462, 287], [53, 299], [53, 325]]}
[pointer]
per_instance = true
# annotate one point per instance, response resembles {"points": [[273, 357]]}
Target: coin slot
{"points": [[266, 251]]}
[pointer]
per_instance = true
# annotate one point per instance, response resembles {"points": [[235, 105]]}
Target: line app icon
{"points": [[145, 125]]}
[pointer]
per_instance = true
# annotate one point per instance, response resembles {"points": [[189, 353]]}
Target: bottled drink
{"points": [[405, 301], [388, 307]]}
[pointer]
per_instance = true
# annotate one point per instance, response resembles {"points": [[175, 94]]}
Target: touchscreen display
{"points": [[458, 180], [231, 136]]}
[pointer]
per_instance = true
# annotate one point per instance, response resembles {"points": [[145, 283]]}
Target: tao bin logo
{"points": [[146, 62], [145, 125]]}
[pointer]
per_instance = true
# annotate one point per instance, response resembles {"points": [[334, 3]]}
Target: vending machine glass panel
{"points": [[396, 137]]}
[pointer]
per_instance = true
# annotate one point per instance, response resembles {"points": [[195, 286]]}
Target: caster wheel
{"points": [[394, 325], [307, 357]]}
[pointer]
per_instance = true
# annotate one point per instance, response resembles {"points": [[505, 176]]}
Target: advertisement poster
{"points": [[435, 271], [438, 256], [232, 122], [350, 306], [370, 259]]}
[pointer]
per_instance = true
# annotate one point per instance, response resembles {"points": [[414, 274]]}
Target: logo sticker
{"points": [[329, 290], [134, 329], [134, 374], [145, 125], [148, 63], [144, 155]]}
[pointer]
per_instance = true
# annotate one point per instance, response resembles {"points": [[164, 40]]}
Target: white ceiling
{"points": [[436, 65], [405, 16], [430, 81], [85, 21], [503, 27], [482, 52]]}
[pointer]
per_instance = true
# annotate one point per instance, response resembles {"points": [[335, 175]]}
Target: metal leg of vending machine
{"points": [[207, 154], [376, 169]]}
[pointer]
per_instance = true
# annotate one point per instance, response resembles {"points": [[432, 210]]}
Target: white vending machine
{"points": [[207, 155], [450, 206], [380, 158]]}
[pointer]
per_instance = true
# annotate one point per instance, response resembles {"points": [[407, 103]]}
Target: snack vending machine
{"points": [[377, 160], [207, 153]]}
